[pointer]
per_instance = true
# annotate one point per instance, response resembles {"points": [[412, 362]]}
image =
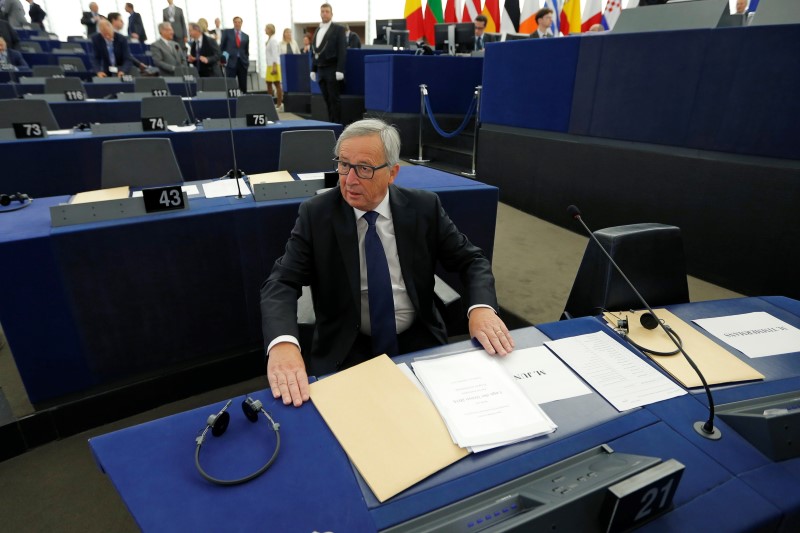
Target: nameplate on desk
{"points": [[28, 130], [160, 92], [188, 78], [154, 124], [234, 93], [74, 96], [163, 199], [68, 67], [127, 78], [256, 119], [642, 497]]}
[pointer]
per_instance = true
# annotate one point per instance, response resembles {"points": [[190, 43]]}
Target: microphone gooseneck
{"points": [[234, 172], [705, 429]]}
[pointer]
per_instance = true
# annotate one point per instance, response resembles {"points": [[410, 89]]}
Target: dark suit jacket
{"points": [[228, 44], [16, 59], [332, 51], [353, 40], [37, 15], [210, 49], [86, 20], [136, 26], [9, 34], [122, 53], [323, 252]]}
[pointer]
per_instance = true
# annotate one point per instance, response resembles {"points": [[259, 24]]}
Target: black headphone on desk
{"points": [[648, 321], [6, 199], [218, 423]]}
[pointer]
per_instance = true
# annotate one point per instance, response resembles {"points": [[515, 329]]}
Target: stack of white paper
{"points": [[479, 401]]}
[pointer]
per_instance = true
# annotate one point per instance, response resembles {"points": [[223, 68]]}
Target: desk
{"points": [[68, 114], [707, 493], [98, 303], [69, 164]]}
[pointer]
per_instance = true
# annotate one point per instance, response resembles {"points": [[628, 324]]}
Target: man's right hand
{"points": [[286, 372]]}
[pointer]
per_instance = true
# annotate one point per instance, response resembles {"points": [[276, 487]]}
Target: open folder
{"points": [[389, 429], [717, 364]]}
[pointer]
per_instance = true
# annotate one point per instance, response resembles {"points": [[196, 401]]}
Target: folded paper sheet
{"points": [[716, 363], [390, 430]]}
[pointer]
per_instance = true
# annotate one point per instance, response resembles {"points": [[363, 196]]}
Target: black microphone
{"points": [[705, 429], [234, 173], [187, 88]]}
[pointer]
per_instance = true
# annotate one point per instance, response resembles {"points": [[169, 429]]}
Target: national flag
{"points": [[491, 9], [527, 20], [611, 14], [433, 15], [555, 5], [571, 17], [592, 14], [753, 5], [414, 21], [472, 8], [510, 17], [450, 15]]}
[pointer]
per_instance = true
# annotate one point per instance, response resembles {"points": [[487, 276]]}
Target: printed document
{"points": [[224, 187], [615, 372], [479, 402], [756, 334], [542, 375]]}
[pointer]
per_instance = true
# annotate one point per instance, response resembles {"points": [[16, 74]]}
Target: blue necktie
{"points": [[379, 285]]}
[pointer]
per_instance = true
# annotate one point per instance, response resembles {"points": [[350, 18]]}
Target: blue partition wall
{"points": [[392, 82]]}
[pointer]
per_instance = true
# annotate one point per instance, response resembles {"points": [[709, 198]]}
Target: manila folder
{"points": [[390, 430]]}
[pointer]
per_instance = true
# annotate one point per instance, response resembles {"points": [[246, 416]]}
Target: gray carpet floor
{"points": [[58, 487]]}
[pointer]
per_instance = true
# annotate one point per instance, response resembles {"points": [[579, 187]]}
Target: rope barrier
{"points": [[461, 127]]}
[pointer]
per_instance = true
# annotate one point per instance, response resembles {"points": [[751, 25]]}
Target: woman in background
{"points": [[288, 45]]}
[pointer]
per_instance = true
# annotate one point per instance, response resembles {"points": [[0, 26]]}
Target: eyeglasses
{"points": [[365, 172]]}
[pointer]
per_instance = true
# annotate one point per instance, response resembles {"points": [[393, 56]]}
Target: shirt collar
{"points": [[383, 209]]}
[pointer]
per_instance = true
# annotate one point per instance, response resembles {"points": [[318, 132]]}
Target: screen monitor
{"points": [[516, 36], [397, 38], [465, 37], [440, 35], [381, 26]]}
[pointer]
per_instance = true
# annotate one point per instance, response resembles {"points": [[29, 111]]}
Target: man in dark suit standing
{"points": [[90, 19], [174, 15], [203, 52], [353, 40], [112, 55], [544, 21], [9, 34], [135, 25], [235, 46], [329, 53], [369, 250], [37, 15]]}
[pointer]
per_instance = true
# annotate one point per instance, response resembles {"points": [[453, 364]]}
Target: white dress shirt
{"points": [[323, 29]]}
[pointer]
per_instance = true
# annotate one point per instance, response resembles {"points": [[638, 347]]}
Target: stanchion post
{"points": [[423, 91], [478, 90]]}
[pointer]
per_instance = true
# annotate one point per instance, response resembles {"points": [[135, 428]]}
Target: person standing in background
{"points": [[329, 49], [288, 45], [11, 10], [273, 60], [353, 40], [37, 15], [235, 46], [174, 15], [90, 19], [135, 25]]}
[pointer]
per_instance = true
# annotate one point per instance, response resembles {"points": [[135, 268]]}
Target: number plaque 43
{"points": [[163, 199]]}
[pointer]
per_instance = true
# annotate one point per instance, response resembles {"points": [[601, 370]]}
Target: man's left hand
{"points": [[491, 332]]}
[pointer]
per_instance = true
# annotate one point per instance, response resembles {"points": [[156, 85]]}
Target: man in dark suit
{"points": [[204, 53], [329, 53], [10, 58], [135, 25], [37, 15], [174, 15], [90, 19], [353, 40], [544, 21], [112, 55], [344, 244], [235, 46], [10, 35]]}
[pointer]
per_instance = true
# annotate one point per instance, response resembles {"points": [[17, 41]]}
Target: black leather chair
{"points": [[307, 151], [652, 257], [140, 162]]}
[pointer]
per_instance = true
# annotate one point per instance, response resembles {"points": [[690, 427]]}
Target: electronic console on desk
{"points": [[597, 490]]}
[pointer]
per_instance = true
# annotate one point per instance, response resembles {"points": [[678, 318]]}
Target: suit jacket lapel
{"points": [[344, 225], [404, 218]]}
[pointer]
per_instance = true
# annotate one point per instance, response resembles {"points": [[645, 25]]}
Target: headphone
{"points": [[6, 199], [648, 321], [218, 423]]}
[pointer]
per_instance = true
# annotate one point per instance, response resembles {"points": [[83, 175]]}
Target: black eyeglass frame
{"points": [[348, 166]]}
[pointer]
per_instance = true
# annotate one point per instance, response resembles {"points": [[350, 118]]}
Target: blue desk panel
{"points": [[93, 90], [137, 295], [392, 82], [52, 59], [295, 69], [72, 163]]}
